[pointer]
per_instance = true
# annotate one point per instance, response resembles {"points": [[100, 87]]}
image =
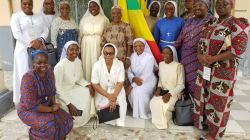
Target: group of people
{"points": [[102, 65]]}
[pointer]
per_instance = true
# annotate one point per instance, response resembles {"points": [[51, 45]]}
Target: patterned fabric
{"points": [[65, 35], [35, 91], [187, 47], [120, 35], [213, 98]]}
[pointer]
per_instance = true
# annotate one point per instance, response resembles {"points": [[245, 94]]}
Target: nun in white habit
{"points": [[107, 79], [74, 92], [142, 78], [171, 78]]}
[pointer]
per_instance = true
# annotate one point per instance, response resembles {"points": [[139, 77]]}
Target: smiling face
{"points": [[27, 6], [169, 10], [48, 6], [41, 63], [139, 47], [116, 15], [72, 52], [167, 55], [223, 8], [94, 9], [65, 10], [200, 9], [154, 9]]}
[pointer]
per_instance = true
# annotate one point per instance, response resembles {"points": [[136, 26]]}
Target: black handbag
{"points": [[163, 92], [104, 115], [184, 111], [51, 55]]}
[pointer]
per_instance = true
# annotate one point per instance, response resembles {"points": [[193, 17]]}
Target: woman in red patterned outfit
{"points": [[222, 43]]}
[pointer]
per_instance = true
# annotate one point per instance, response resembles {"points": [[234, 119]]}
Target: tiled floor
{"points": [[238, 126]]}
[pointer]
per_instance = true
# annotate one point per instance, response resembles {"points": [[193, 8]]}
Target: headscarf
{"points": [[158, 14], [146, 49], [55, 7], [175, 8], [87, 13], [37, 52], [65, 49], [207, 3], [108, 44], [175, 56], [116, 7]]}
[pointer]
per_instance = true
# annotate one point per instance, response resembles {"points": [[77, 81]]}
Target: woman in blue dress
{"points": [[63, 28], [167, 29]]}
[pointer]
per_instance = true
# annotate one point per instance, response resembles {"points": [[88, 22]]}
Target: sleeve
{"points": [[81, 80], [17, 31], [54, 32], [29, 93], [129, 35], [52, 79], [80, 32], [159, 81], [45, 32], [58, 71], [179, 41], [95, 78], [121, 74], [104, 40], [131, 76], [239, 38], [156, 31], [148, 70], [180, 81]]}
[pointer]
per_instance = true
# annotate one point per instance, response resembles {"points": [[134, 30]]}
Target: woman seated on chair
{"points": [[107, 79], [74, 92], [38, 108], [142, 78], [170, 86]]}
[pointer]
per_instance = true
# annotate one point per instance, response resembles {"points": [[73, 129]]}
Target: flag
{"points": [[132, 14]]}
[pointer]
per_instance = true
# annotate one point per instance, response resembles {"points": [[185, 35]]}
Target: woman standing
{"points": [[107, 79], [48, 13], [74, 92], [154, 8], [28, 29], [91, 28], [167, 29], [187, 42], [63, 28], [38, 108], [221, 45], [189, 4], [118, 33], [142, 79]]}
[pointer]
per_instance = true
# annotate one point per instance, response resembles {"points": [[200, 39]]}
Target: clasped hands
{"points": [[206, 59], [112, 102]]}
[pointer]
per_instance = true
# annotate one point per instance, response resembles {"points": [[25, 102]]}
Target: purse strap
{"points": [[96, 122]]}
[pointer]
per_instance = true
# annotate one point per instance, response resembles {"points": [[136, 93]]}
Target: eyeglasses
{"points": [[108, 53]]}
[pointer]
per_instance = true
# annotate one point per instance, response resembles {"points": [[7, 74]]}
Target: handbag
{"points": [[163, 92], [104, 115], [184, 111], [52, 61]]}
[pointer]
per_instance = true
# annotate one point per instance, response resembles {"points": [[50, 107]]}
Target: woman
{"points": [[37, 107], [74, 93], [91, 27], [168, 28], [142, 79], [63, 28], [107, 80], [154, 8], [187, 42], [221, 45], [118, 33], [189, 4], [28, 29], [171, 80], [48, 13]]}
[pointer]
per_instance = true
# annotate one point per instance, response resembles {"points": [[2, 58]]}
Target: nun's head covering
{"points": [[158, 14], [37, 52], [55, 8], [175, 56], [108, 44], [175, 7], [65, 49], [62, 2], [87, 13]]}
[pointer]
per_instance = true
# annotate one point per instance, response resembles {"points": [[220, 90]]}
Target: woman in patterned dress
{"points": [[221, 45], [188, 40], [63, 28], [37, 107]]}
